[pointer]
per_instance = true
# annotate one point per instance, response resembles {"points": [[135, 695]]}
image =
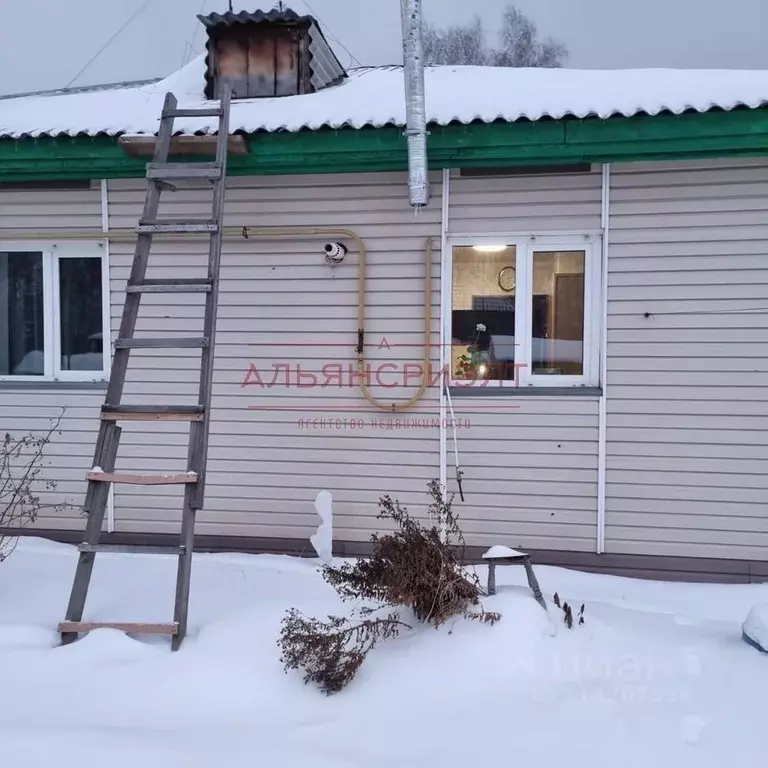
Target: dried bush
{"points": [[415, 566], [330, 652], [568, 612], [21, 462]]}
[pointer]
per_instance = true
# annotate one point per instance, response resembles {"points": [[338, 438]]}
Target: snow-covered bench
{"points": [[501, 555]]}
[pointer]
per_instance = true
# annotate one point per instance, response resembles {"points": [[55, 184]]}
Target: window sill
{"points": [[53, 385], [525, 391]]}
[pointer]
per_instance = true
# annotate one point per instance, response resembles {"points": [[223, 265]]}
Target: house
{"points": [[592, 266]]}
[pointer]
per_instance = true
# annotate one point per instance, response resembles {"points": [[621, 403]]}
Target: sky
{"points": [[599, 34]]}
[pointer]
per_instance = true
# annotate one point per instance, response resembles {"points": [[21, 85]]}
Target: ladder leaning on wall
{"points": [[160, 177]]}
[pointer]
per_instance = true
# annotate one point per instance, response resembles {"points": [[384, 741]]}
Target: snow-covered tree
{"points": [[519, 44]]}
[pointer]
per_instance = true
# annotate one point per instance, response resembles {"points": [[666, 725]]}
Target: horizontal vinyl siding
{"points": [[521, 204], [530, 471], [688, 360], [280, 303], [32, 410], [32, 210], [530, 464]]}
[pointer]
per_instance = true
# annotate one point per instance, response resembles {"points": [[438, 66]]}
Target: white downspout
{"points": [[441, 357], [603, 401], [107, 340], [415, 103]]}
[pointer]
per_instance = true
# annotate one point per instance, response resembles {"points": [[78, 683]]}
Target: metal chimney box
{"points": [[267, 54]]}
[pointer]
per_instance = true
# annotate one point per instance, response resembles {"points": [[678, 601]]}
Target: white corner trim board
{"points": [[602, 417]]}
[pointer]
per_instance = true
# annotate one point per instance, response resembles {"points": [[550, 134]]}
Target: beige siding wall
{"points": [[280, 304], [687, 413], [530, 463], [687, 371], [27, 410]]}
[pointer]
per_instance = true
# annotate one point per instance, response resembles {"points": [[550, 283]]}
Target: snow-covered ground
{"points": [[659, 675]]}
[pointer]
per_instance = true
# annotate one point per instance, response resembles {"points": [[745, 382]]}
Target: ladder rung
{"points": [[135, 628], [192, 342], [183, 171], [162, 227], [132, 549], [114, 477], [152, 412], [171, 285], [199, 112]]}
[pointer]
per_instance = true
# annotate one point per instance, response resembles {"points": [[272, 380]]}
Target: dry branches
{"points": [[414, 567], [330, 652], [21, 460]]}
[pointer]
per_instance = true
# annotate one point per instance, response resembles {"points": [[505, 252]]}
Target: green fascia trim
{"points": [[739, 133]]}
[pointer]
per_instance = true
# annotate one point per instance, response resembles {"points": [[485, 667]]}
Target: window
{"points": [[525, 312], [53, 312]]}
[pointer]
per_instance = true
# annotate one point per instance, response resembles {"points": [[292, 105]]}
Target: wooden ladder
{"points": [[160, 175]]}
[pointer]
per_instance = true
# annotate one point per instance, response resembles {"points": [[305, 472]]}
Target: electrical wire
{"points": [[189, 45], [109, 42], [459, 470], [353, 58]]}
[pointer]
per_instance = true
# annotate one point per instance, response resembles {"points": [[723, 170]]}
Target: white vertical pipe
{"points": [[603, 401], [442, 353], [415, 102], [107, 340]]}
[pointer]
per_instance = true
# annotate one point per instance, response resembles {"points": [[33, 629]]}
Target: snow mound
{"points": [[755, 626], [499, 550], [110, 645], [24, 637], [645, 688]]}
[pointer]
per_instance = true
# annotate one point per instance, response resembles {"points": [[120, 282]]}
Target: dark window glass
{"points": [[21, 314], [80, 299]]}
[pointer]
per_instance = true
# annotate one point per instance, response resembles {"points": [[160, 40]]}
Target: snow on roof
{"points": [[374, 96]]}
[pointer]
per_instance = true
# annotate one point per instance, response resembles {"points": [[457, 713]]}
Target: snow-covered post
{"points": [[322, 539], [755, 627]]}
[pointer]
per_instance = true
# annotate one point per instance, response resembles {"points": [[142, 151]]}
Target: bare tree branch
{"points": [[21, 462]]}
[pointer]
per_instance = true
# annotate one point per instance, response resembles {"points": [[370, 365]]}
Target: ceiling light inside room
{"points": [[490, 248]]}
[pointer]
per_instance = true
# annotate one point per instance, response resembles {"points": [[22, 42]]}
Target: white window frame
{"points": [[52, 254], [525, 246]]}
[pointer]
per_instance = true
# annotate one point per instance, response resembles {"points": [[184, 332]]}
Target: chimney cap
{"points": [[255, 17], [323, 66]]}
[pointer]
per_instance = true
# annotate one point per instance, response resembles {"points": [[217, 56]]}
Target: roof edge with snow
{"points": [[373, 97]]}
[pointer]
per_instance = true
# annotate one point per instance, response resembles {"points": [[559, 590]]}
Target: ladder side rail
{"points": [[140, 261], [199, 433]]}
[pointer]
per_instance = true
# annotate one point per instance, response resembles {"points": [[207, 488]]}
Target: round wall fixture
{"points": [[334, 253], [507, 279]]}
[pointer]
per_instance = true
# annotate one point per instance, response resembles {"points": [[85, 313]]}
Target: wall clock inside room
{"points": [[507, 279]]}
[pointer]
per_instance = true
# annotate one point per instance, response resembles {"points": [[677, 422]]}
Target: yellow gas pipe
{"points": [[127, 235], [394, 407]]}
